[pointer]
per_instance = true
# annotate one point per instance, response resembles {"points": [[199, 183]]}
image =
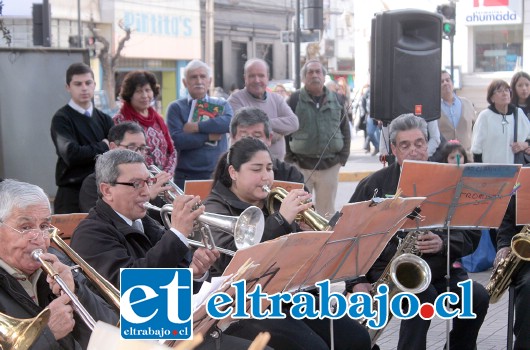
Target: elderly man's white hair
{"points": [[16, 194]]}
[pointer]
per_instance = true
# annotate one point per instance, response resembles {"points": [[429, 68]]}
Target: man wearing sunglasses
{"points": [[126, 135], [25, 290]]}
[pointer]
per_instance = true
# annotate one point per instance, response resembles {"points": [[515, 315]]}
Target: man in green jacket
{"points": [[322, 143]]}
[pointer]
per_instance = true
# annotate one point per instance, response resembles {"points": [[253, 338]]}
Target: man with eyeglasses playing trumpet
{"points": [[25, 290], [408, 138], [117, 233], [131, 136]]}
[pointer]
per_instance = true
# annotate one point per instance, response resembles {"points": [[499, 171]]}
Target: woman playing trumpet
{"points": [[238, 183]]}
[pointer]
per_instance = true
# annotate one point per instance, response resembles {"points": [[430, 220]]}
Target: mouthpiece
{"points": [[266, 188], [36, 254]]}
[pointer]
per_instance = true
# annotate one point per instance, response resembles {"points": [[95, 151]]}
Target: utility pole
{"points": [[79, 30], [210, 41], [297, 47]]}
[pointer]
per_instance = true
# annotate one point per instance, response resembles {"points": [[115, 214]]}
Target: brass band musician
{"points": [[520, 278], [238, 183], [117, 233], [25, 290], [408, 138]]}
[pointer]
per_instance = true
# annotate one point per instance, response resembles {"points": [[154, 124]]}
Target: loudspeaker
{"points": [[41, 24], [405, 64]]}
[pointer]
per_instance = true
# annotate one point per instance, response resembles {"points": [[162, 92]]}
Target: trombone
{"points": [[106, 289], [76, 304], [247, 228], [20, 334]]}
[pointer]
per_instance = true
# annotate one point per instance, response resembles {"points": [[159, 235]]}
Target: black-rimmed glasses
{"points": [[33, 233], [134, 148], [137, 184]]}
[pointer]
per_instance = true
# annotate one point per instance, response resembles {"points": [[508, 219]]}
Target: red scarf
{"points": [[130, 114]]}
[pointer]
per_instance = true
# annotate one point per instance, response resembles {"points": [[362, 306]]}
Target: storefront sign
{"points": [[169, 30], [482, 12]]}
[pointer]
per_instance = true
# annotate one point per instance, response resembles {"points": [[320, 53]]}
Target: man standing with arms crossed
{"points": [[79, 132], [199, 143]]}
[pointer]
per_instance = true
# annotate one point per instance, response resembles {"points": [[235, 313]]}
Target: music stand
{"points": [[292, 262], [468, 196], [522, 198], [359, 237]]}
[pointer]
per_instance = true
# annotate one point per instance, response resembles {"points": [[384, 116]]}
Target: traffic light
{"points": [[448, 11]]}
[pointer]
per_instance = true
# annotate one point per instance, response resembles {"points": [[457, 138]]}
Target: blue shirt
{"points": [[453, 111]]}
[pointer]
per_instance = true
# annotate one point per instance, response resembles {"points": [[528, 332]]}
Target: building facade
{"points": [[490, 42]]}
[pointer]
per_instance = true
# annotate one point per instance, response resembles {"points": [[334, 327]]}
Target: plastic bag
{"points": [[482, 258]]}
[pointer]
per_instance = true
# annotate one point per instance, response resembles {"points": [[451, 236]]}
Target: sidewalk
{"points": [[492, 335]]}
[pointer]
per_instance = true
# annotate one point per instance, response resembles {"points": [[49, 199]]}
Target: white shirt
{"points": [[493, 140], [175, 231]]}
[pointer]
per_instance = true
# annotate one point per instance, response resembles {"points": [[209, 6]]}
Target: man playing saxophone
{"points": [[408, 138], [25, 290], [520, 278]]}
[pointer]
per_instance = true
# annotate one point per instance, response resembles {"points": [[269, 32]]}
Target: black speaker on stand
{"points": [[406, 61]]}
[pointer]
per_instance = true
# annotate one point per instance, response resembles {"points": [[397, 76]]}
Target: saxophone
{"points": [[406, 272], [501, 277]]}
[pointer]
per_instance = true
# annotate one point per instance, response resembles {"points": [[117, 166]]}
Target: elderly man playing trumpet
{"points": [[25, 290], [117, 233]]}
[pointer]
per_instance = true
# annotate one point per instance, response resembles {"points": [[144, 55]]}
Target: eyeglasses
{"points": [[33, 233], [137, 184], [134, 148], [408, 146], [503, 90]]}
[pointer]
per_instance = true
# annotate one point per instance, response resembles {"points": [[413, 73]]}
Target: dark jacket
{"points": [[78, 139], [15, 302], [223, 201], [284, 171], [108, 243], [508, 228], [463, 242]]}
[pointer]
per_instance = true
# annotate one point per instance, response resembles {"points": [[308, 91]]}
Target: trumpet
{"points": [[247, 228], [168, 195], [309, 216], [76, 304]]}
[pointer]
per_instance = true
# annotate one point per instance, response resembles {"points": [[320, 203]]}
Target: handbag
{"points": [[520, 157], [482, 258]]}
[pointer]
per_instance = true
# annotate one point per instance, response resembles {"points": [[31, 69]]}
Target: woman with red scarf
{"points": [[138, 90]]}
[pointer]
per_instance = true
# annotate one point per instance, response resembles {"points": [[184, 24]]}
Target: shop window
{"points": [[498, 48]]}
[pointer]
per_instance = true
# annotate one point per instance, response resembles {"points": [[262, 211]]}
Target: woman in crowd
{"points": [[238, 183], [138, 90], [493, 138], [520, 86]]}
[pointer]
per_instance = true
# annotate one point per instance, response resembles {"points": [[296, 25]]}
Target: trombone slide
{"points": [[76, 304]]}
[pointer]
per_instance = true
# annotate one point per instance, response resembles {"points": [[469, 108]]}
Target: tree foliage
{"points": [[108, 60], [6, 34]]}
